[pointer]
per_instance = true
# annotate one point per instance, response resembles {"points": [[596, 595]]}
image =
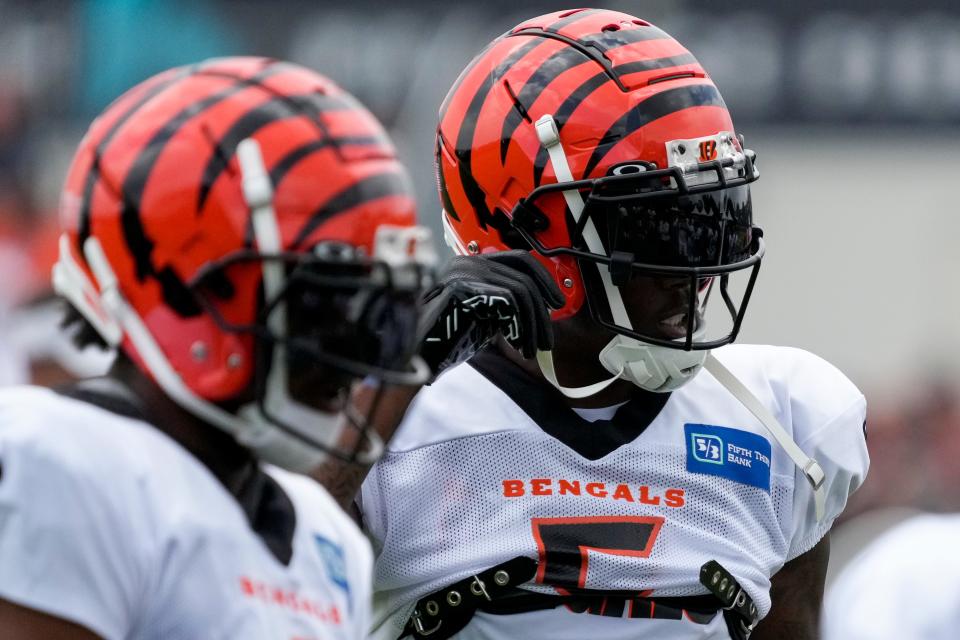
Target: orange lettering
{"points": [[674, 497], [645, 496], [572, 488], [596, 489], [541, 487], [512, 488], [623, 493]]}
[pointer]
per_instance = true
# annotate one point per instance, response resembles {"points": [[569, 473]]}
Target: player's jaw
{"points": [[658, 307]]}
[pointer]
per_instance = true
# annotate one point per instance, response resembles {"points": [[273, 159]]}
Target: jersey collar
{"points": [[549, 410]]}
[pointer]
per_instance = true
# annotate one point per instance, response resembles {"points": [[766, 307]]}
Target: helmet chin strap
{"points": [[271, 443], [653, 367], [648, 366]]}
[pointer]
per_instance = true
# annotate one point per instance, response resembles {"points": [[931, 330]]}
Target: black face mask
{"points": [[346, 318], [653, 224]]}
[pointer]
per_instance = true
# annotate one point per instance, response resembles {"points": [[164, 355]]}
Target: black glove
{"points": [[480, 297]]}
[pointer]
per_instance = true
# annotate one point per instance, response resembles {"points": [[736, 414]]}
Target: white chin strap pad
{"points": [[649, 366]]}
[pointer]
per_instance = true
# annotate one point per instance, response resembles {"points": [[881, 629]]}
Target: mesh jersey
{"points": [[905, 584], [470, 481], [107, 522]]}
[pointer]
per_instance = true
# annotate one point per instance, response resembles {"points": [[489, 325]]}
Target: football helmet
{"points": [[597, 141], [243, 231]]}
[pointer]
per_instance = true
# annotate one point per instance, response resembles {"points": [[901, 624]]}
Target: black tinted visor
{"points": [[349, 317], [652, 218], [711, 228], [663, 229]]}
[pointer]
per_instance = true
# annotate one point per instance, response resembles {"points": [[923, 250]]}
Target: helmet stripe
{"points": [[637, 66], [442, 179], [287, 162], [606, 40], [93, 173], [374, 187], [463, 76], [581, 93], [139, 245], [464, 146], [656, 106], [559, 62], [571, 18], [309, 105]]}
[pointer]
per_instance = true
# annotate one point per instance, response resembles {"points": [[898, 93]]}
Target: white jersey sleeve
{"points": [[65, 543], [829, 420], [826, 414], [840, 448]]}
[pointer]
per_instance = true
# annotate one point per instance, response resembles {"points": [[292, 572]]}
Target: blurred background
{"points": [[852, 105]]}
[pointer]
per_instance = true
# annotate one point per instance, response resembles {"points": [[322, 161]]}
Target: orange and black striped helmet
{"points": [[597, 140], [196, 187]]}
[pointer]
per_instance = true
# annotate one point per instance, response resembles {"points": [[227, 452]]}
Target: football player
{"points": [[242, 232], [640, 479]]}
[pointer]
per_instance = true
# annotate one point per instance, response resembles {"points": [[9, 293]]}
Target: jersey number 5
{"points": [[564, 544]]}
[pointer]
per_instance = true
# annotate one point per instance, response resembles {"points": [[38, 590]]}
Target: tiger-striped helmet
{"points": [[237, 226], [599, 142]]}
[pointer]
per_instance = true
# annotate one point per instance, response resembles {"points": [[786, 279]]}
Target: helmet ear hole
{"points": [[508, 234], [217, 283]]}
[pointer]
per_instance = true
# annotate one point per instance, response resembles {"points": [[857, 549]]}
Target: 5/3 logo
{"points": [[707, 448]]}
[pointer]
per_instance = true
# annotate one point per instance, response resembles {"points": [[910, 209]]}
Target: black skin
{"points": [[647, 300], [797, 594], [21, 623]]}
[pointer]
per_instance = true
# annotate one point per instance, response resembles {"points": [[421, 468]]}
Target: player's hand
{"points": [[480, 297]]}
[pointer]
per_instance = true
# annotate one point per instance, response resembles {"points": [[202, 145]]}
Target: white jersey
{"points": [[107, 522], [490, 464], [906, 584]]}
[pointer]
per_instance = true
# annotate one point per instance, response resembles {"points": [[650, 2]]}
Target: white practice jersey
{"points": [[905, 584], [490, 464], [109, 523]]}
